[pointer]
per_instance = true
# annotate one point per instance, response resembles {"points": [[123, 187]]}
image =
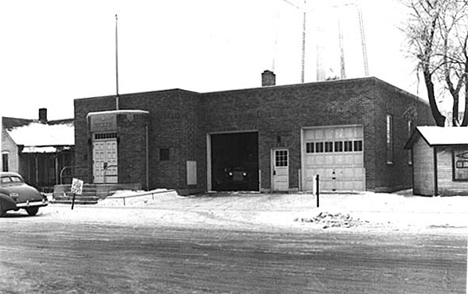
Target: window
{"points": [[389, 139], [348, 146], [281, 158], [164, 154], [410, 152], [319, 147], [357, 145], [460, 165], [310, 147], [328, 146], [103, 136], [5, 162], [338, 146]]}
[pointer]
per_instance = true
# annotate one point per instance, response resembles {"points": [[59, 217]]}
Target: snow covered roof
{"points": [[38, 134], [439, 136]]}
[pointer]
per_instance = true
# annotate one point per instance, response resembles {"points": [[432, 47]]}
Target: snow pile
{"points": [[329, 220], [138, 198]]}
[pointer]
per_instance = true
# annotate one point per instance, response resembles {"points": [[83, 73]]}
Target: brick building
{"points": [[272, 138]]}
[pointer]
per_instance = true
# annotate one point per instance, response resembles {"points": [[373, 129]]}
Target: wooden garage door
{"points": [[337, 155], [105, 169]]}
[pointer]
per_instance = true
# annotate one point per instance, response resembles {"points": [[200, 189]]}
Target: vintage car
{"points": [[16, 194]]}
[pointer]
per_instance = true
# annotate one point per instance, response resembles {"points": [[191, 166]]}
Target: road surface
{"points": [[50, 254]]}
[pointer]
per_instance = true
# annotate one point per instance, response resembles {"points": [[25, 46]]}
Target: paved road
{"points": [[46, 254]]}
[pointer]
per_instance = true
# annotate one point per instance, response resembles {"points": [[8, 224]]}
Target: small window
{"points": [[357, 145], [310, 147], [410, 152], [389, 142], [319, 147], [460, 171], [164, 154], [348, 146], [328, 146], [104, 136], [5, 162], [339, 146], [281, 158]]}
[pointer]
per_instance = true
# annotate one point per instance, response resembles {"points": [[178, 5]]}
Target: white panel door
{"points": [[280, 164], [336, 154], [105, 161]]}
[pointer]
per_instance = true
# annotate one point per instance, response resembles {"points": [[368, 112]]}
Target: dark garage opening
{"points": [[234, 162]]}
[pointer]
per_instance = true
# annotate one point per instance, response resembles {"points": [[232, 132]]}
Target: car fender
{"points": [[6, 202]]}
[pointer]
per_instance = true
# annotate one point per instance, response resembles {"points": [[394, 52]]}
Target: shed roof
{"points": [[439, 136]]}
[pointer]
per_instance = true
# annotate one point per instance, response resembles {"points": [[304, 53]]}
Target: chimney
{"points": [[268, 78], [43, 115]]}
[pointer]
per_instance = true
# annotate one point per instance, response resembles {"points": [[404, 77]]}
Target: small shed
{"points": [[440, 160]]}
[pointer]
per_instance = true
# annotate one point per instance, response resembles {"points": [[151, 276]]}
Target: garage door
{"points": [[336, 154]]}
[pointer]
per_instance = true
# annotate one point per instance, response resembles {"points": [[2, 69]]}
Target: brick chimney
{"points": [[268, 78], [43, 115]]}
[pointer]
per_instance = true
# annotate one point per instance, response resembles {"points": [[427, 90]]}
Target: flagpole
{"points": [[116, 65]]}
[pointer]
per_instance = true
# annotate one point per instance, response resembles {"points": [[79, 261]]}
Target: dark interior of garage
{"points": [[234, 162]]}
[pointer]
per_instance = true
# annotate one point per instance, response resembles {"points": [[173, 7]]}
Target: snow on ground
{"points": [[138, 198], [369, 211]]}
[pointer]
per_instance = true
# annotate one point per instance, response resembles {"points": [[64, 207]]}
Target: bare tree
{"points": [[437, 31]]}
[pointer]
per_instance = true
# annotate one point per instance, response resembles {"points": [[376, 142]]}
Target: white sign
{"points": [[77, 186]]}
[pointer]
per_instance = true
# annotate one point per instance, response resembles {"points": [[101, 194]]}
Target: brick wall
{"points": [[403, 107], [173, 124], [278, 114], [131, 130], [180, 121]]}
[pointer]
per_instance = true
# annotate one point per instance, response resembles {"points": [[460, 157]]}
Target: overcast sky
{"points": [[54, 51]]}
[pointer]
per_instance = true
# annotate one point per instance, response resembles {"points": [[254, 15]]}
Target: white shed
{"points": [[440, 160]]}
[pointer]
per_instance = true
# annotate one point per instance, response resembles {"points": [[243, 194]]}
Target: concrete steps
{"points": [[89, 195]]}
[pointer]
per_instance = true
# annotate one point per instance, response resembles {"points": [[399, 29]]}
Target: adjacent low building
{"points": [[440, 160], [41, 150], [272, 138]]}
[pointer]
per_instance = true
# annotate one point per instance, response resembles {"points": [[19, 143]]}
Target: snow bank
{"points": [[138, 198]]}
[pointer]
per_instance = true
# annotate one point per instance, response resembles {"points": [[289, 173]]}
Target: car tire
{"points": [[32, 211]]}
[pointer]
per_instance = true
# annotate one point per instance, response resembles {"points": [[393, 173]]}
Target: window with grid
{"points": [[103, 136], [281, 158]]}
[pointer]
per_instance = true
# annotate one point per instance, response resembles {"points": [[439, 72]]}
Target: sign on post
{"points": [[76, 188]]}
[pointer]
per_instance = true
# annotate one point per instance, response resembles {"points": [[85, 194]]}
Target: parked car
{"points": [[16, 194]]}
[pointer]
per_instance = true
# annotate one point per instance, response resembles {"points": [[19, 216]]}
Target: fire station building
{"points": [[273, 138]]}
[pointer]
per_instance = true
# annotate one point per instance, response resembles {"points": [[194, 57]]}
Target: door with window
{"points": [[280, 166], [336, 153], [105, 169]]}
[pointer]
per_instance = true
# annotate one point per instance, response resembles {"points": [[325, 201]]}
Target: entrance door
{"points": [[280, 164], [105, 161]]}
